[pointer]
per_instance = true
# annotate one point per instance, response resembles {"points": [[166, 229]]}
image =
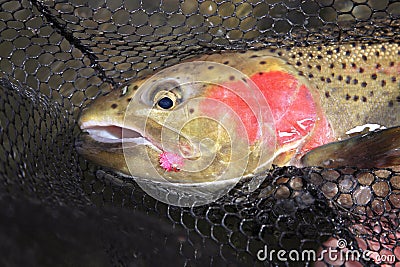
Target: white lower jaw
{"points": [[105, 137], [139, 141]]}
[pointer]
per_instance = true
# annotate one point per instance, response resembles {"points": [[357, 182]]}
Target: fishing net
{"points": [[59, 209]]}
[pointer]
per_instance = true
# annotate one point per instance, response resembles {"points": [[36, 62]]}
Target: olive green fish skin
{"points": [[357, 84]]}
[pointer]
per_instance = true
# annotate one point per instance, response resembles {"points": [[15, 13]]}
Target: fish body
{"points": [[186, 131]]}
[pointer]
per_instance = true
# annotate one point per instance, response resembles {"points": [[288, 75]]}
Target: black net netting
{"points": [[57, 209]]}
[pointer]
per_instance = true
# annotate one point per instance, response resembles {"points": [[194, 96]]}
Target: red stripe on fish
{"points": [[227, 96], [294, 109]]}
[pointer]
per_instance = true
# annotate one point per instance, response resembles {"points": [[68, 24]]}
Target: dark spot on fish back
{"points": [[393, 79], [232, 78], [348, 79], [280, 54], [135, 87], [318, 67], [129, 99], [343, 65], [378, 66], [310, 76], [383, 83], [391, 64], [371, 93], [329, 52], [361, 70], [390, 104], [331, 66], [364, 84], [364, 99], [355, 81], [398, 98], [114, 106], [191, 110], [327, 94], [348, 52], [328, 80], [254, 56], [298, 63], [373, 76], [383, 48], [226, 62], [262, 62], [353, 65], [364, 57], [340, 77], [356, 97], [377, 53], [210, 67], [348, 96]]}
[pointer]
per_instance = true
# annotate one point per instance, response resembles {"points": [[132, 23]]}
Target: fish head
{"points": [[194, 122]]}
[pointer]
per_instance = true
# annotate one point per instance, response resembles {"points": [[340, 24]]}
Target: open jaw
{"points": [[116, 134]]}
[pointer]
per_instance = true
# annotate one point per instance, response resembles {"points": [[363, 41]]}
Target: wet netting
{"points": [[57, 209]]}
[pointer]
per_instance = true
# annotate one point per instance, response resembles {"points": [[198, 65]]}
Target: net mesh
{"points": [[57, 56]]}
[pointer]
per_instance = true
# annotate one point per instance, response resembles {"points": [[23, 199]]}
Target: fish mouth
{"points": [[116, 134], [110, 134]]}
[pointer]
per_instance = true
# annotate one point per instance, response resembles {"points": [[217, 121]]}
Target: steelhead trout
{"points": [[244, 111]]}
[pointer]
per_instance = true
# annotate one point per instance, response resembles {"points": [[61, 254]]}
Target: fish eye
{"points": [[166, 95], [165, 103], [165, 100]]}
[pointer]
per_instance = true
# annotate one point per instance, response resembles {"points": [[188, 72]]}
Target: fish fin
{"points": [[379, 149]]}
